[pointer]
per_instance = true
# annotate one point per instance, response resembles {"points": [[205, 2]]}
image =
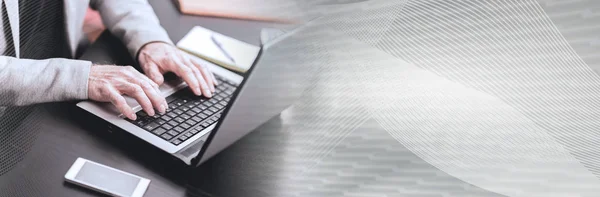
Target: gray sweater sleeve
{"points": [[134, 21], [25, 81]]}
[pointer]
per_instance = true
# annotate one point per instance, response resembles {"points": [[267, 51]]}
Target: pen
{"points": [[212, 37]]}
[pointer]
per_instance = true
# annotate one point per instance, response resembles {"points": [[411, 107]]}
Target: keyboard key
{"points": [[218, 97], [179, 129], [184, 108], [190, 105], [205, 124], [223, 103], [191, 121], [203, 106], [183, 137], [151, 126], [213, 101], [198, 119], [191, 113], [142, 114], [184, 126], [202, 117], [173, 132], [197, 129], [167, 126], [189, 134], [176, 142], [159, 131], [178, 111], [214, 118], [179, 120], [172, 114], [196, 109], [207, 112], [173, 123], [197, 102], [178, 102], [219, 106], [213, 109], [185, 116], [166, 118], [140, 122], [160, 121], [210, 121], [166, 136]]}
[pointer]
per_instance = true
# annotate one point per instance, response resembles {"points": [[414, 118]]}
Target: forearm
{"points": [[24, 81], [134, 21]]}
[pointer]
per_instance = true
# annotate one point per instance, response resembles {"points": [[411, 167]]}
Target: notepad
{"points": [[217, 48]]}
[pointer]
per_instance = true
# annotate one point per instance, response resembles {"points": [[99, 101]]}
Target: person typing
{"points": [[38, 41]]}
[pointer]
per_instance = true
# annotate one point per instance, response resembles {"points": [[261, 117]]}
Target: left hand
{"points": [[158, 58]]}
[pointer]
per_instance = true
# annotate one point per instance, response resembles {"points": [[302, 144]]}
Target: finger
{"points": [[135, 77], [155, 97], [132, 75], [205, 82], [139, 95], [118, 101], [145, 78], [188, 76], [210, 73], [205, 89], [151, 69], [206, 75]]}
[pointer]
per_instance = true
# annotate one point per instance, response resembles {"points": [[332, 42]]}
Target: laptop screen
{"points": [[277, 79]]}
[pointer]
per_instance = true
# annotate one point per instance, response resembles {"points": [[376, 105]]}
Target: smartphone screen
{"points": [[107, 179]]}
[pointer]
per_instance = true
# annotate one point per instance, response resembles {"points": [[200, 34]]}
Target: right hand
{"points": [[110, 83]]}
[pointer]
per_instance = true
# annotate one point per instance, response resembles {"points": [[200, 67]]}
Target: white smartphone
{"points": [[105, 179]]}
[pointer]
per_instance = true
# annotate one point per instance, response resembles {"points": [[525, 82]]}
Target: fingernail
{"points": [[163, 108], [198, 91], [133, 117], [151, 112], [208, 94]]}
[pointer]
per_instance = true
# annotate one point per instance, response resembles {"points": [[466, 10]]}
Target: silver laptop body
{"points": [[269, 88]]}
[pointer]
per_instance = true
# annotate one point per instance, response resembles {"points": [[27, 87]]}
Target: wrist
{"points": [[147, 46]]}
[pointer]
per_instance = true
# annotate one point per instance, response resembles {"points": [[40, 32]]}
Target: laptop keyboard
{"points": [[187, 114]]}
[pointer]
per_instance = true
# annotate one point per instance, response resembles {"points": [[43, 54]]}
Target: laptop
{"points": [[195, 128]]}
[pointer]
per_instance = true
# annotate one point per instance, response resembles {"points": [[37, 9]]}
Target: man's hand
{"points": [[158, 58], [109, 83]]}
